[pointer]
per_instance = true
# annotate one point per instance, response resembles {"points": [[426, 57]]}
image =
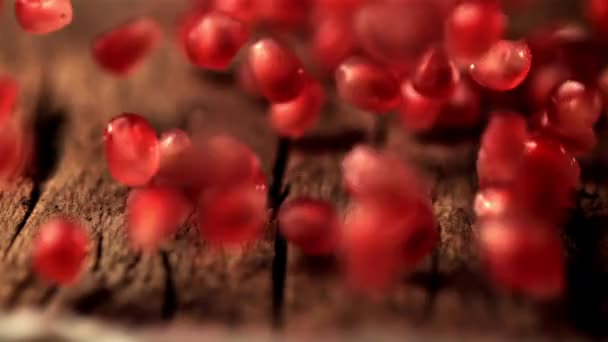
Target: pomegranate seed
{"points": [[9, 94], [60, 249], [312, 225], [184, 26], [597, 14], [246, 11], [284, 14], [43, 16], [462, 109], [504, 66], [435, 75], [493, 202], [502, 147], [277, 71], [15, 150], [247, 80], [417, 112], [333, 41], [154, 214], [574, 105], [338, 5], [215, 39], [232, 216], [131, 149], [367, 85], [602, 84], [542, 82], [121, 50], [523, 256], [294, 118], [174, 148], [472, 28]]}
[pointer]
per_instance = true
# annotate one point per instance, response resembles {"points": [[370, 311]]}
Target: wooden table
{"points": [[69, 100]]}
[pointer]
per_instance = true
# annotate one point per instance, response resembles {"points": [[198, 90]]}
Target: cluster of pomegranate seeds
{"points": [[60, 249], [43, 16], [122, 49]]}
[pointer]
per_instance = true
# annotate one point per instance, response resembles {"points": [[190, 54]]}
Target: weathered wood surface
{"points": [[69, 100]]}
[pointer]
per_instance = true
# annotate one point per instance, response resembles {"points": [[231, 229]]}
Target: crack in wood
{"points": [[98, 253], [169, 307], [48, 295]]}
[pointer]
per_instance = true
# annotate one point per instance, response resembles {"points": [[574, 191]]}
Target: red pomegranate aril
{"points": [[597, 14], [338, 5], [154, 214], [9, 94], [43, 16], [524, 256], [60, 249], [418, 113], [293, 118], [502, 147], [435, 75], [174, 148], [574, 105], [131, 149], [504, 66], [462, 109], [367, 85], [232, 216], [245, 10], [121, 50], [542, 83], [284, 14], [333, 41], [493, 202], [15, 150], [215, 39], [184, 25], [472, 28], [312, 225], [278, 72]]}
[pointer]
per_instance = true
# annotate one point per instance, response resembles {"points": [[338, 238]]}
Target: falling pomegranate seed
{"points": [[247, 81], [574, 105], [9, 94], [184, 25], [15, 150], [215, 39], [292, 119], [131, 149], [284, 14], [122, 49], [154, 214], [493, 202], [60, 249], [472, 28], [174, 148], [278, 72], [312, 225], [542, 83], [333, 40], [504, 66], [232, 216], [523, 256], [597, 14], [418, 113], [502, 147], [435, 75], [367, 85], [43, 16]]}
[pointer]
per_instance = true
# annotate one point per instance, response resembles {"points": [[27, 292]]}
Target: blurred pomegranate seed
{"points": [[333, 40], [43, 16], [493, 202], [312, 225], [338, 5], [16, 150], [472, 28], [284, 14], [597, 14], [184, 25], [435, 75], [462, 109], [542, 83], [246, 11], [215, 39], [504, 66], [122, 49], [247, 80], [9, 94], [60, 249], [232, 216], [574, 105], [292, 119], [502, 148], [154, 214], [174, 148], [524, 256], [278, 72], [417, 112], [131, 149], [367, 85]]}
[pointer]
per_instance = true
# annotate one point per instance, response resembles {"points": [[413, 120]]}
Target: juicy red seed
{"points": [[493, 202], [154, 214], [504, 66], [9, 94], [574, 105], [294, 118], [232, 216], [312, 225], [122, 49], [502, 147], [60, 249], [15, 150], [247, 81], [43, 16], [597, 14], [174, 148], [542, 82], [462, 109], [284, 14], [244, 10], [523, 256], [435, 75], [338, 5], [131, 149], [184, 25], [278, 72], [215, 39], [397, 32], [333, 40], [367, 85], [472, 28], [418, 113]]}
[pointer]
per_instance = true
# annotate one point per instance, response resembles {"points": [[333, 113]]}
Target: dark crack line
{"points": [[98, 253], [277, 195], [48, 295], [169, 307], [33, 202]]}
